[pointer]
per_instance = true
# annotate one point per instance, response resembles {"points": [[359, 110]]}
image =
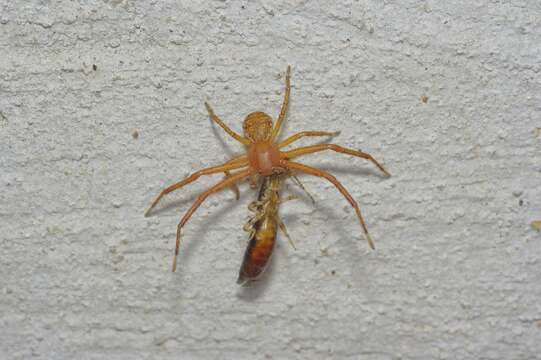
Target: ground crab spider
{"points": [[264, 157]]}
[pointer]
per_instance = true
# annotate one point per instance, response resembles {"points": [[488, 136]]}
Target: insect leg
{"points": [[284, 230], [299, 184], [289, 198]]}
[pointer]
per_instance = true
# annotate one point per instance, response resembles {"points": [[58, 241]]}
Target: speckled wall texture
{"points": [[101, 106]]}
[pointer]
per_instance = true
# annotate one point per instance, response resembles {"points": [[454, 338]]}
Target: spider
{"points": [[264, 157]]}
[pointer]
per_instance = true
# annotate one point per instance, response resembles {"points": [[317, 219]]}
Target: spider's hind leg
{"points": [[234, 187], [200, 199], [230, 165], [320, 173]]}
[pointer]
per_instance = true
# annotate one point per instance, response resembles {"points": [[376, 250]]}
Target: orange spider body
{"points": [[264, 158]]}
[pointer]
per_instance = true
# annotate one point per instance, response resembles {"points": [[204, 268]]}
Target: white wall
{"points": [[456, 271]]}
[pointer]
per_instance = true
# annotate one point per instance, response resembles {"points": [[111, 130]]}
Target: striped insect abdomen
{"points": [[263, 236]]}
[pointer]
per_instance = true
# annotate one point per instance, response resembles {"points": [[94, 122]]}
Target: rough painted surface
{"points": [[446, 94]]}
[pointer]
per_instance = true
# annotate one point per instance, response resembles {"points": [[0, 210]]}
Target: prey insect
{"points": [[262, 227], [265, 158]]}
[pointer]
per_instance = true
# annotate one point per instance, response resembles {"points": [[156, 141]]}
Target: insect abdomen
{"points": [[259, 250], [261, 244]]}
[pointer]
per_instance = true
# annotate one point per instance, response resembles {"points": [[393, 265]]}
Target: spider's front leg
{"points": [[226, 128], [285, 104]]}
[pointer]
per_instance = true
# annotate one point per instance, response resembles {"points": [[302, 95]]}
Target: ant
{"points": [[264, 157]]}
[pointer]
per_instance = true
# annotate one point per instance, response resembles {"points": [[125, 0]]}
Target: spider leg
{"points": [[200, 199], [234, 187], [285, 104], [316, 172], [234, 164], [339, 149], [302, 134], [253, 180], [228, 130]]}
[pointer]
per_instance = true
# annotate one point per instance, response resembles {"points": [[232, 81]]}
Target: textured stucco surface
{"points": [[456, 273]]}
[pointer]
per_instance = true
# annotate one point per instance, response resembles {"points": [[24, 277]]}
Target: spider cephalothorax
{"points": [[264, 157], [257, 126]]}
